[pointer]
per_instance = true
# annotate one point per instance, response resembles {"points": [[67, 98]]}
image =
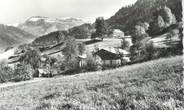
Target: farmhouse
{"points": [[113, 57]]}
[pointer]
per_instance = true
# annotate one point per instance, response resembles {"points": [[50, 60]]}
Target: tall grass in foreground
{"points": [[154, 85]]}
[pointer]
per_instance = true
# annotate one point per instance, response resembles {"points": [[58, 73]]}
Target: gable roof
{"points": [[116, 50], [107, 55]]}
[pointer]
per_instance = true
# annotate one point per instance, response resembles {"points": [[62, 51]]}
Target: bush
{"points": [[6, 73], [31, 57], [125, 44], [166, 52], [71, 64], [91, 64], [23, 72], [142, 51]]}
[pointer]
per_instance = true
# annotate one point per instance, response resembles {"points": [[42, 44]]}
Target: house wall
{"points": [[82, 62], [112, 62]]}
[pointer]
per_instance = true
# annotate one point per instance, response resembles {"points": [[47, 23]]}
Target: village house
{"points": [[113, 57]]}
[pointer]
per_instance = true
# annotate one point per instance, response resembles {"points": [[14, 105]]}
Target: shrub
{"points": [[31, 57], [91, 64], [125, 44], [6, 73], [23, 72], [71, 64], [93, 35], [142, 51]]}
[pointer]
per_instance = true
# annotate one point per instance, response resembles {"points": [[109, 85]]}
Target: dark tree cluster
{"points": [[81, 32], [163, 18], [142, 48], [100, 28], [142, 11]]}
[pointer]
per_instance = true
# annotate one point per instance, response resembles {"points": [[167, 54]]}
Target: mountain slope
{"points": [[39, 25], [52, 38], [142, 10], [12, 36], [81, 32]]}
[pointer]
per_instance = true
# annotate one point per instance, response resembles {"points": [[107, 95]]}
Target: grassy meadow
{"points": [[153, 85]]}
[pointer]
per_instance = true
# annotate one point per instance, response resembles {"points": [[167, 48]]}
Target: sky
{"points": [[17, 11]]}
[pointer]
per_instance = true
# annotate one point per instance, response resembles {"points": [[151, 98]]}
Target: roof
{"points": [[116, 50], [82, 56], [107, 55], [125, 52]]}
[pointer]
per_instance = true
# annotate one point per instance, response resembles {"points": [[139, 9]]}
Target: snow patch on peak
{"points": [[14, 25], [52, 20], [72, 19], [36, 18]]}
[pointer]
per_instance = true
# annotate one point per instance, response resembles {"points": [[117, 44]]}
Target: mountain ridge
{"points": [[41, 25], [12, 36]]}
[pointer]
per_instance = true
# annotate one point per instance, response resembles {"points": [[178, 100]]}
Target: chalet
{"points": [[108, 58], [113, 57]]}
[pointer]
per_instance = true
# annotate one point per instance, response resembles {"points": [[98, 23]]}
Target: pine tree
{"points": [[100, 27], [167, 16]]}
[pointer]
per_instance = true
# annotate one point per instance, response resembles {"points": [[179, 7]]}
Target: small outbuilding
{"points": [[82, 60]]}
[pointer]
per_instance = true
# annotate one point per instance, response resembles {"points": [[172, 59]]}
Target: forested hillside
{"points": [[81, 32], [142, 11]]}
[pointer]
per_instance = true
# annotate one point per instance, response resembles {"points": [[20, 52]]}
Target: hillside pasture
{"points": [[162, 41], [153, 85]]}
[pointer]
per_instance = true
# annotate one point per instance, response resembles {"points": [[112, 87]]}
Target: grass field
{"points": [[154, 85], [162, 41]]}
